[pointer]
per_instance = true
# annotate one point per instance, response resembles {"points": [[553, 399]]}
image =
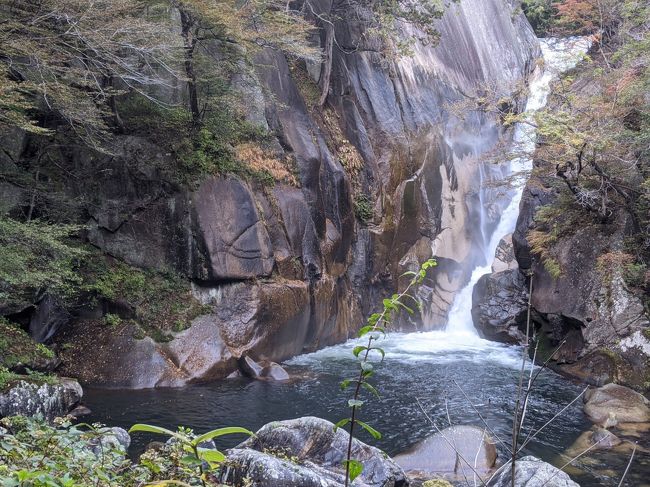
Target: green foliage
{"points": [[112, 319], [191, 445], [363, 208], [36, 454], [209, 153], [36, 256], [374, 330], [46, 64], [7, 378], [596, 141], [19, 351], [162, 303], [144, 116], [540, 14]]}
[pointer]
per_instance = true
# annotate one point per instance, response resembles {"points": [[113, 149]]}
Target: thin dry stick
{"points": [[478, 453], [620, 484], [531, 383], [515, 418], [528, 388], [448, 442], [450, 424], [449, 421], [481, 417]]}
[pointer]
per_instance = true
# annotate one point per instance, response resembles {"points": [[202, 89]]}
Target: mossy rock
{"points": [[436, 483], [19, 352]]}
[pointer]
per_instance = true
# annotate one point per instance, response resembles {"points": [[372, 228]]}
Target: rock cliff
{"points": [[290, 267], [585, 299]]}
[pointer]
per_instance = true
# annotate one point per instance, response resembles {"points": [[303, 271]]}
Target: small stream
{"points": [[427, 368]]}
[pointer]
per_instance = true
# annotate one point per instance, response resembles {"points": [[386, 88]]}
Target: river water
{"points": [[445, 372]]}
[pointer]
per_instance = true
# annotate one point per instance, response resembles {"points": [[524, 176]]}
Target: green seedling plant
{"points": [[196, 456], [374, 330]]}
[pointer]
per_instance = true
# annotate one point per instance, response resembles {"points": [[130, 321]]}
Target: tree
{"points": [[382, 20], [75, 56], [583, 17], [598, 140], [250, 26], [540, 14]]}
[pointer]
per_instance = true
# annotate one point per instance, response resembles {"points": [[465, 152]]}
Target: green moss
{"points": [[614, 357], [436, 483], [7, 378], [635, 274], [646, 333], [553, 267], [363, 208], [161, 303], [18, 350]]}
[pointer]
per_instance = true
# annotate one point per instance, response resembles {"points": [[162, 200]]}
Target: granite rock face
{"points": [[588, 305], [500, 306], [290, 268], [307, 452], [47, 400], [532, 472]]}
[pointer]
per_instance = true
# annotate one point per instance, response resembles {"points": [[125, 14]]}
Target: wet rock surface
{"points": [[262, 371], [613, 404], [532, 472], [47, 400], [472, 450], [307, 452], [594, 311], [500, 306]]}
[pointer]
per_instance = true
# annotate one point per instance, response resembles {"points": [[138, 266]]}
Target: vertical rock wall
{"points": [[290, 269]]}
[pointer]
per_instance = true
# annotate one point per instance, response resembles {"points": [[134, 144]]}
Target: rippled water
{"points": [[419, 366]]}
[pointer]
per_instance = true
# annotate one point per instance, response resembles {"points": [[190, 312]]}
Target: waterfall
{"points": [[559, 55]]}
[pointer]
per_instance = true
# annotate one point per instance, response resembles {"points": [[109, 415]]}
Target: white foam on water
{"points": [[435, 347], [559, 56]]}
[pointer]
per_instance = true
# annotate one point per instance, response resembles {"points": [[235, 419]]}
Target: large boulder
{"points": [[109, 439], [47, 400], [613, 404], [449, 452], [235, 237], [532, 472], [307, 452], [499, 306]]}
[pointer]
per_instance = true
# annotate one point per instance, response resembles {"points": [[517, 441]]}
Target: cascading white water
{"points": [[559, 56]]}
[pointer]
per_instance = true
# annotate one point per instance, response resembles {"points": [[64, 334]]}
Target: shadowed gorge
{"points": [[424, 221]]}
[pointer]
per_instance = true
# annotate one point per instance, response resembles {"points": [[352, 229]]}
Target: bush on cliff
{"points": [[35, 256]]}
